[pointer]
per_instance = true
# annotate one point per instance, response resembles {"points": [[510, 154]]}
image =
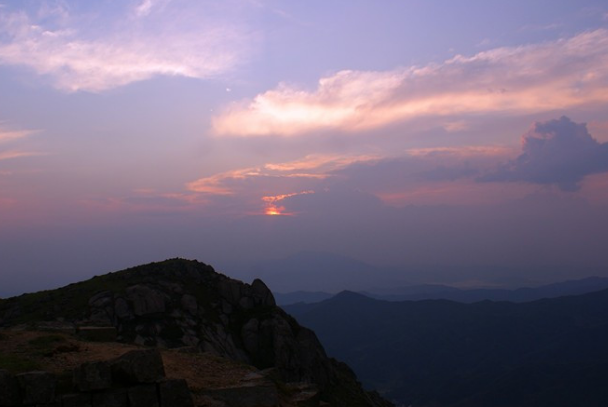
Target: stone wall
{"points": [[136, 379]]}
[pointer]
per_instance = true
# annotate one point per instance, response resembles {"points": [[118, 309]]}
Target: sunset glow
{"points": [[415, 134], [273, 210]]}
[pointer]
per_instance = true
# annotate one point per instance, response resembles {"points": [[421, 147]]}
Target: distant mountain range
{"points": [[550, 352], [443, 292], [311, 271]]}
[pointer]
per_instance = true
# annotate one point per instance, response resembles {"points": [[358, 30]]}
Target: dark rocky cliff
{"points": [[179, 303]]}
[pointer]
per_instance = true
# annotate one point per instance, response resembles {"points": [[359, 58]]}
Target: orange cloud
{"points": [[312, 167], [272, 209], [533, 78]]}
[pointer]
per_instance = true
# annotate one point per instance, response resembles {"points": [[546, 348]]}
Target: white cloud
{"points": [[116, 52], [145, 7], [527, 79]]}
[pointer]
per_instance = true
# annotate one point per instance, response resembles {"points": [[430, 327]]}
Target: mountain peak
{"points": [[184, 303]]}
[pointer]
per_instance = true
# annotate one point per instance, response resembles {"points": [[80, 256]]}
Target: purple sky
{"points": [[410, 134]]}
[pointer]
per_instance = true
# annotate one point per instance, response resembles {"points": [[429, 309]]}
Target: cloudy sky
{"points": [[410, 134]]}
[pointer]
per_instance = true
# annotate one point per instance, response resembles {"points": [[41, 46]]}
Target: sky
{"points": [[409, 134]]}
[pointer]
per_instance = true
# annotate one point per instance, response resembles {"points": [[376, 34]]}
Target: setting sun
{"points": [[272, 210]]}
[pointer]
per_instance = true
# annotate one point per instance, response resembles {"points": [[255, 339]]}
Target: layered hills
{"points": [[187, 306], [444, 292], [550, 352]]}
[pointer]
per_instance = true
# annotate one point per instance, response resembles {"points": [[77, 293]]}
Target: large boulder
{"points": [[111, 398], [143, 395], [77, 400], [37, 387], [175, 393], [146, 300], [262, 294], [93, 376], [138, 366], [9, 389]]}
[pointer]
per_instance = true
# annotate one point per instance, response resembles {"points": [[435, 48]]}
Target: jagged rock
{"points": [[312, 358], [146, 300], [229, 291], [175, 393], [178, 303], [9, 389], [77, 400], [93, 376], [37, 387], [144, 395], [262, 293], [101, 308], [189, 303], [138, 366], [261, 395], [122, 309], [101, 300], [247, 302], [250, 336], [111, 398], [307, 396]]}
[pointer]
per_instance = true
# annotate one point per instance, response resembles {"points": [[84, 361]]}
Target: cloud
{"points": [[148, 202], [540, 77], [558, 152], [10, 137], [7, 155], [416, 175], [273, 179], [96, 54], [264, 189], [273, 207]]}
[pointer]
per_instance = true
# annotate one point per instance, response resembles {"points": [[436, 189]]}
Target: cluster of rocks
{"points": [[136, 379], [188, 306], [180, 303]]}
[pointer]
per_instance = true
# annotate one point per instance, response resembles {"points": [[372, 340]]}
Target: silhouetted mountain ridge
{"points": [[437, 291], [445, 353]]}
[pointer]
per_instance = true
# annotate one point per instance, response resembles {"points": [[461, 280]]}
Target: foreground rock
{"points": [[100, 384], [179, 303]]}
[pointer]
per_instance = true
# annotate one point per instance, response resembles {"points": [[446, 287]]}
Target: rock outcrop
{"points": [[134, 380], [180, 303]]}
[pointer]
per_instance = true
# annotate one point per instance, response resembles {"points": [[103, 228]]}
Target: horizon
{"points": [[448, 144]]}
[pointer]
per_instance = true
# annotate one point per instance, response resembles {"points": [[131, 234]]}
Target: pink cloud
{"points": [[11, 137], [281, 175], [148, 201], [123, 52], [7, 155], [533, 78]]}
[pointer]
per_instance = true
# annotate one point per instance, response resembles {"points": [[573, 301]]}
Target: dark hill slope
{"points": [[178, 303], [441, 353]]}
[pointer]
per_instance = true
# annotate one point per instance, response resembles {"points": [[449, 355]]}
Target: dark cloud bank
{"points": [[559, 152]]}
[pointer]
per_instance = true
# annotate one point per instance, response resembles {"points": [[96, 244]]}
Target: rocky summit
{"points": [[187, 306]]}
